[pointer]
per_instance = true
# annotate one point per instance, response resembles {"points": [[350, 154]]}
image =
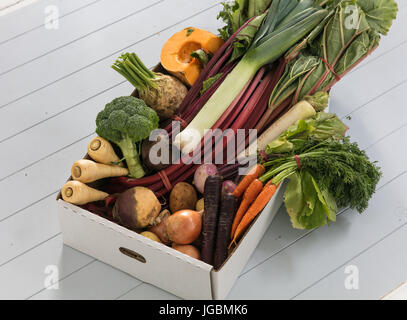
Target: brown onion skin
{"points": [[160, 229], [184, 226], [188, 250]]}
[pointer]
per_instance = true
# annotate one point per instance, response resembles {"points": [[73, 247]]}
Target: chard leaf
{"points": [[379, 14], [202, 57], [307, 205], [208, 83], [278, 146], [236, 13], [245, 37], [294, 200]]}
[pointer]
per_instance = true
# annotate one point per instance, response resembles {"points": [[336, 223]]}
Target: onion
{"points": [[188, 250], [184, 226], [203, 172], [159, 229]]}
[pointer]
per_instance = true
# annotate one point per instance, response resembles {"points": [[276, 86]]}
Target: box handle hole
{"points": [[132, 254]]}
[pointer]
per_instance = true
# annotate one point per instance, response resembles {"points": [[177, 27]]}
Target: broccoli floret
{"points": [[127, 121]]}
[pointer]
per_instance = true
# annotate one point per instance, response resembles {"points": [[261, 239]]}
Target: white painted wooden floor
{"points": [[53, 83]]}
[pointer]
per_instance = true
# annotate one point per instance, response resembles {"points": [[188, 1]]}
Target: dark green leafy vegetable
{"points": [[323, 176], [237, 13], [208, 83], [349, 33], [202, 56], [127, 121], [189, 31]]}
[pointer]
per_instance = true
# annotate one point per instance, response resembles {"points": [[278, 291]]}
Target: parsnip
{"points": [[301, 111], [88, 171], [76, 192], [101, 151]]}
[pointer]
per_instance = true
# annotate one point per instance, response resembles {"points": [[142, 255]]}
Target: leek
{"points": [[277, 40]]}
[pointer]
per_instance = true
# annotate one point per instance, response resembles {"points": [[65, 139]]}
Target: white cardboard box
{"points": [[156, 263]]}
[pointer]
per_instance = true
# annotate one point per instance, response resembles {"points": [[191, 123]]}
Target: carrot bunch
{"points": [[255, 197]]}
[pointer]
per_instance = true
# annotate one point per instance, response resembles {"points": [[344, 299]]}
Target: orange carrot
{"points": [[249, 196], [253, 174], [257, 206]]}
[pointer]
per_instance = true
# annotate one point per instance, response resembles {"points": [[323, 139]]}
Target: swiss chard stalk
{"points": [[266, 52]]}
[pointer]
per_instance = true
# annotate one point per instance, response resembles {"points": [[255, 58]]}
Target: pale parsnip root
{"points": [[88, 171], [301, 111], [76, 192], [101, 151]]}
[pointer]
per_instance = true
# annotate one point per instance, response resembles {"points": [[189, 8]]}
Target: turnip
{"points": [[228, 186], [203, 172], [137, 208]]}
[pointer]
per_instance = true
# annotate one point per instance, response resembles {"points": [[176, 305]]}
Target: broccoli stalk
{"points": [[129, 150], [126, 121]]}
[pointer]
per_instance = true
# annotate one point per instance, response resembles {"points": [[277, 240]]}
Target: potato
{"points": [[183, 196], [200, 205], [150, 235]]}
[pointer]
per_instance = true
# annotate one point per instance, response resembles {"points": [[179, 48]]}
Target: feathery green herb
{"points": [[324, 176]]}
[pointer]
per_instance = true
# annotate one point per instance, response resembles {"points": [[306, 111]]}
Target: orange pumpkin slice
{"points": [[176, 53]]}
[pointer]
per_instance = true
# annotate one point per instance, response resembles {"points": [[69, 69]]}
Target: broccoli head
{"points": [[127, 121]]}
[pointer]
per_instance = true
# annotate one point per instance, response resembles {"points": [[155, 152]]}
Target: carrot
{"points": [[253, 174], [76, 192], [249, 196], [257, 206], [212, 194], [88, 171], [227, 210], [102, 151]]}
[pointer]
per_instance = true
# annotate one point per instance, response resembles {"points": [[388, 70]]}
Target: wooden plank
{"points": [[286, 274], [395, 38], [32, 17], [57, 98], [29, 270], [95, 281], [380, 269], [146, 291], [76, 26], [101, 45]]}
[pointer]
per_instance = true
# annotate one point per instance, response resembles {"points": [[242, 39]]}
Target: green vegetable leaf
{"points": [[189, 31], [379, 13], [307, 204], [202, 57], [320, 127], [294, 200], [208, 83], [245, 37], [236, 13]]}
